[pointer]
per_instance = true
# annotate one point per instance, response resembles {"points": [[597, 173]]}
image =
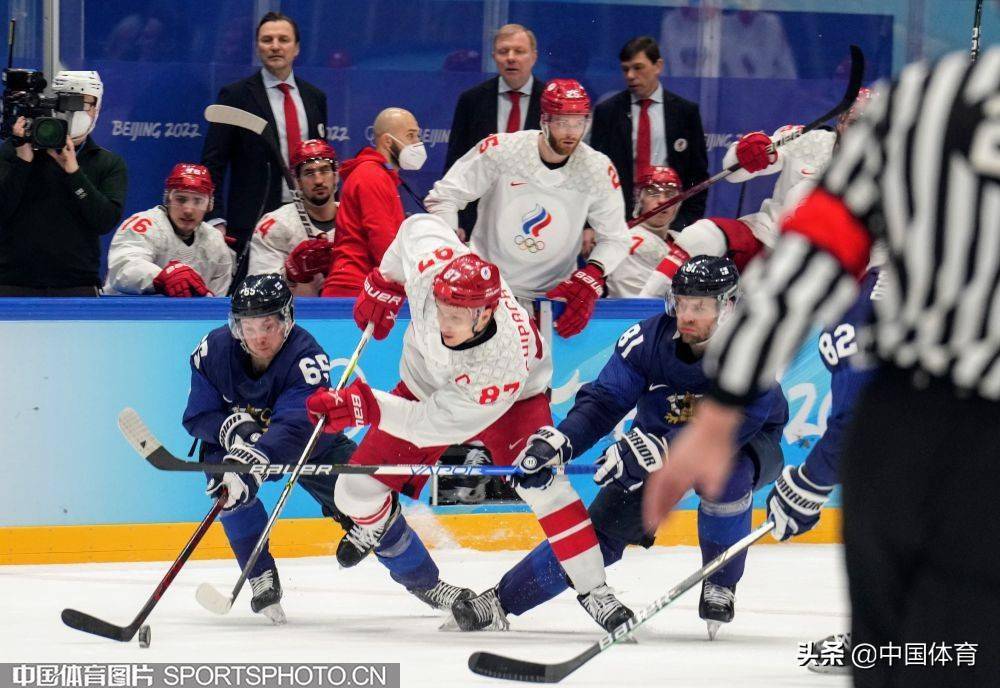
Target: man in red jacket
{"points": [[370, 209]]}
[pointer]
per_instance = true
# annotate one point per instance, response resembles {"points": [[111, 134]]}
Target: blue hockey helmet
{"points": [[258, 296], [707, 276]]}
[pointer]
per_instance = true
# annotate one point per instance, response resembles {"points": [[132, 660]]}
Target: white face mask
{"points": [[80, 124], [411, 156]]}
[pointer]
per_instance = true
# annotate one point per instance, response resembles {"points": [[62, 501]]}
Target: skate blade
{"points": [[449, 624], [713, 628], [275, 613]]}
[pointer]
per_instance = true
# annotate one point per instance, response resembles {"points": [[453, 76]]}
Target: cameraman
{"points": [[55, 204]]}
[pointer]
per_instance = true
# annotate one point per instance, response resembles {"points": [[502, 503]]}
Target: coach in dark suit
{"points": [[510, 101], [271, 93], [647, 125]]}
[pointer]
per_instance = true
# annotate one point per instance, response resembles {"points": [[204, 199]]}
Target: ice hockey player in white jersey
{"points": [[474, 368], [536, 191], [651, 241], [169, 249], [281, 243], [798, 165]]}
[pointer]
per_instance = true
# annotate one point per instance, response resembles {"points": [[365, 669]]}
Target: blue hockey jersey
{"points": [[838, 347], [653, 371], [222, 383]]}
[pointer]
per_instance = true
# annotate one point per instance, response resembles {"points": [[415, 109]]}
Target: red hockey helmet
{"points": [[658, 175], [313, 149], [189, 176], [468, 281], [565, 97]]}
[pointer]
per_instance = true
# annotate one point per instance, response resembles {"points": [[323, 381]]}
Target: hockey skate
{"points": [[267, 596], [442, 596], [481, 613], [831, 655], [717, 606], [359, 541], [605, 608]]}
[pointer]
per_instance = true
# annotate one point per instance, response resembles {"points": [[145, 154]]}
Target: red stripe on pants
{"points": [[564, 519], [577, 543]]}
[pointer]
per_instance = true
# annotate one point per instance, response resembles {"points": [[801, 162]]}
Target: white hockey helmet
{"points": [[83, 82], [87, 83]]}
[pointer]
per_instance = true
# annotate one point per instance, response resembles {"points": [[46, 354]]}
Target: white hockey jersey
{"points": [[274, 237], [800, 162], [144, 244], [460, 393], [648, 249], [531, 218]]}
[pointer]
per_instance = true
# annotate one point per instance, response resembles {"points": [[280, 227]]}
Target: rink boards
{"points": [[75, 491]]}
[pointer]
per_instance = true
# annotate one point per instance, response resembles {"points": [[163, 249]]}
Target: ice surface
{"points": [[790, 594]]}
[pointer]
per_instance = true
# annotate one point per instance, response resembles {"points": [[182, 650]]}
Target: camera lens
{"points": [[48, 132]]}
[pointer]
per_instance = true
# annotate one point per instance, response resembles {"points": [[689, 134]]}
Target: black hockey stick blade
{"points": [[498, 666], [850, 93], [93, 625]]}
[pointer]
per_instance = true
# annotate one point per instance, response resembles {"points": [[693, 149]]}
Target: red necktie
{"points": [[292, 133], [643, 146], [514, 118]]}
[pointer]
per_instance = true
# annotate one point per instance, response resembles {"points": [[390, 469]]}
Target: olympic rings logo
{"points": [[529, 243]]}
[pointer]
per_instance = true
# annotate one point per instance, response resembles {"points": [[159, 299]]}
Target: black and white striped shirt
{"points": [[921, 172]]}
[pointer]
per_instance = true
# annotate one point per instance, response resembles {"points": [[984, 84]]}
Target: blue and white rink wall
{"points": [[73, 490]]}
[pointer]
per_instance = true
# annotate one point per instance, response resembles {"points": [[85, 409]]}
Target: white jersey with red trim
{"points": [[460, 392], [274, 237], [648, 249], [531, 218], [801, 163], [144, 244]]}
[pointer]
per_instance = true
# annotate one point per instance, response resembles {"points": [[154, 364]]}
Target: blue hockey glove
{"points": [[794, 503], [545, 448], [631, 459], [242, 486]]}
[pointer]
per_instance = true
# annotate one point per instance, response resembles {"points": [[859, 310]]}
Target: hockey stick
{"points": [[91, 624], [210, 598], [146, 444], [853, 86], [976, 22], [225, 114], [497, 666]]}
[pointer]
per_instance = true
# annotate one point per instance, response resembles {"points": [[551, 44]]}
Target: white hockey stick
{"points": [[225, 114], [210, 598]]}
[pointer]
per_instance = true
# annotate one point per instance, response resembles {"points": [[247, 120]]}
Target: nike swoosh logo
{"points": [[652, 387], [806, 172], [515, 443], [518, 183]]}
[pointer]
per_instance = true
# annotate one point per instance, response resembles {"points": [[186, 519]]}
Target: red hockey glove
{"points": [[310, 258], [580, 292], [178, 279], [354, 405], [379, 302], [752, 151]]}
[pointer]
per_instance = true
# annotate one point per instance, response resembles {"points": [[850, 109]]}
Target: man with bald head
{"points": [[370, 208]]}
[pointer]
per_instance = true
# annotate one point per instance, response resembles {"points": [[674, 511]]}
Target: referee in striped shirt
{"points": [[920, 171]]}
